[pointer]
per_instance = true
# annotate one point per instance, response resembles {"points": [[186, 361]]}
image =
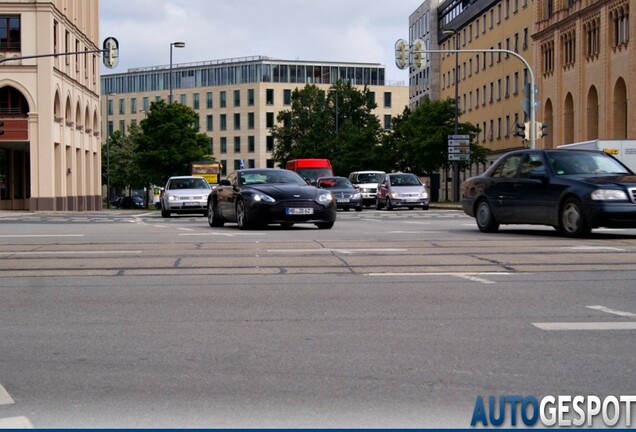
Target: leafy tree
{"points": [[338, 125], [169, 142], [118, 159], [420, 137]]}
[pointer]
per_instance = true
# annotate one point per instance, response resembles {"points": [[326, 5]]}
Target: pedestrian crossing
{"points": [[15, 422]]}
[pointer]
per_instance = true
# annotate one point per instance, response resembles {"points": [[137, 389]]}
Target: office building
{"points": [[238, 99]]}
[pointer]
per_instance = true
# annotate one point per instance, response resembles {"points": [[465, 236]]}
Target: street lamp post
{"points": [[456, 129], [108, 150], [176, 45]]}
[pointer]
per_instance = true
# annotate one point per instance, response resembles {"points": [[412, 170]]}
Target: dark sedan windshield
{"points": [[273, 176], [334, 182], [573, 162]]}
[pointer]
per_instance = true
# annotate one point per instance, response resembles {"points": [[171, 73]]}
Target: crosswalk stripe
{"points": [[15, 423], [5, 399]]}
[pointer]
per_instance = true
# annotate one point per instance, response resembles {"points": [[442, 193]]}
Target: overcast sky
{"points": [[316, 30]]}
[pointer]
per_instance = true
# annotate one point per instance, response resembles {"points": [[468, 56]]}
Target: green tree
{"points": [[118, 160], [420, 137], [169, 142], [338, 125]]}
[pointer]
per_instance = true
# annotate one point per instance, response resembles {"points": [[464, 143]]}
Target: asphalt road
{"points": [[390, 319]]}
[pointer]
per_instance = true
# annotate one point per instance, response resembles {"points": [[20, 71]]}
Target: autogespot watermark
{"points": [[561, 411]]}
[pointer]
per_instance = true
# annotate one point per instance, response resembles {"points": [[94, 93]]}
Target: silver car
{"points": [[401, 190], [185, 195]]}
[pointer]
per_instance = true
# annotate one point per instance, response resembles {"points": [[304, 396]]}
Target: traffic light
{"points": [[541, 130], [401, 54], [111, 52], [523, 130], [1, 128], [418, 46]]}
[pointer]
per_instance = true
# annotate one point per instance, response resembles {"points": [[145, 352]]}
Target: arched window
{"points": [[12, 102]]}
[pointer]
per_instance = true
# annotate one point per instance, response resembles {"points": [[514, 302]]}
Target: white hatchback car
{"points": [[184, 195]]}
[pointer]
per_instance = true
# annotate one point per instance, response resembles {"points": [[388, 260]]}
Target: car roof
{"points": [[185, 177], [368, 172]]}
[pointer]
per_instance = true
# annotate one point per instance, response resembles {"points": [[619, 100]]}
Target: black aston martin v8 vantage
{"points": [[256, 197]]}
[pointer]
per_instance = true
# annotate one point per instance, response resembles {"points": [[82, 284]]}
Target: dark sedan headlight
{"points": [[258, 197], [608, 195], [325, 198]]}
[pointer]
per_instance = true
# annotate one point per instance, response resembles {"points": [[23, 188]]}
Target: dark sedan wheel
{"points": [[241, 216], [486, 221], [324, 225], [214, 219], [571, 219]]}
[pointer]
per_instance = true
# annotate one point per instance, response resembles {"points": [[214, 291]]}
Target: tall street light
{"points": [[453, 32], [108, 150], [176, 45]]}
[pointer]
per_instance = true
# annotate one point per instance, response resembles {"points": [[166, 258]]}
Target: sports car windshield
{"points": [[573, 162], [270, 177]]}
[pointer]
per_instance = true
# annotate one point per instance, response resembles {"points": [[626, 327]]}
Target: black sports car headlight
{"points": [[325, 198], [259, 196]]}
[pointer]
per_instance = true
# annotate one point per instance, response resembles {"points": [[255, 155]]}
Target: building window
{"points": [[237, 121], [592, 30], [208, 100], [122, 127], [195, 101], [237, 144], [269, 96], [224, 167], [251, 144], [223, 99], [183, 99], [387, 121], [109, 107], [269, 119], [237, 164], [145, 104], [237, 98], [250, 97], [250, 120], [547, 58], [133, 105], [251, 163], [197, 122], [209, 123], [287, 97], [223, 145], [568, 45], [122, 106], [387, 100], [10, 33], [619, 18], [269, 144], [223, 122]]}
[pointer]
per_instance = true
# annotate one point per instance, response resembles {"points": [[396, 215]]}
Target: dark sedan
{"points": [[572, 190], [258, 197], [346, 195]]}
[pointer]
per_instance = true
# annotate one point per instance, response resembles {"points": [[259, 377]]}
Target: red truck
{"points": [[311, 169]]}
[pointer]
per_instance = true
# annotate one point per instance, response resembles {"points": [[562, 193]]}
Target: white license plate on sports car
{"points": [[299, 211]]}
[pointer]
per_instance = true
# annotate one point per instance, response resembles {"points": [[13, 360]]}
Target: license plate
{"points": [[299, 211], [411, 199], [190, 204], [343, 200]]}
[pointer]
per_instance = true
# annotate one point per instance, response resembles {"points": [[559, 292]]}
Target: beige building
{"points": [[50, 149], [586, 68], [491, 84], [239, 99]]}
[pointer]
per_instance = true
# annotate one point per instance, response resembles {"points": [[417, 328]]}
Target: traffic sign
{"points": [[458, 156], [459, 149], [458, 143], [459, 137]]}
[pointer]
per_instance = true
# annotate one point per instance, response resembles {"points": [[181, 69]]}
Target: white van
{"points": [[366, 182]]}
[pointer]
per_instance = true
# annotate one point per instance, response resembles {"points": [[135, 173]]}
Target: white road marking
{"points": [[468, 276], [416, 223], [5, 398], [586, 326], [404, 232], [40, 235], [82, 252], [329, 250], [595, 248], [222, 234], [371, 220], [185, 229], [612, 311], [15, 423]]}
